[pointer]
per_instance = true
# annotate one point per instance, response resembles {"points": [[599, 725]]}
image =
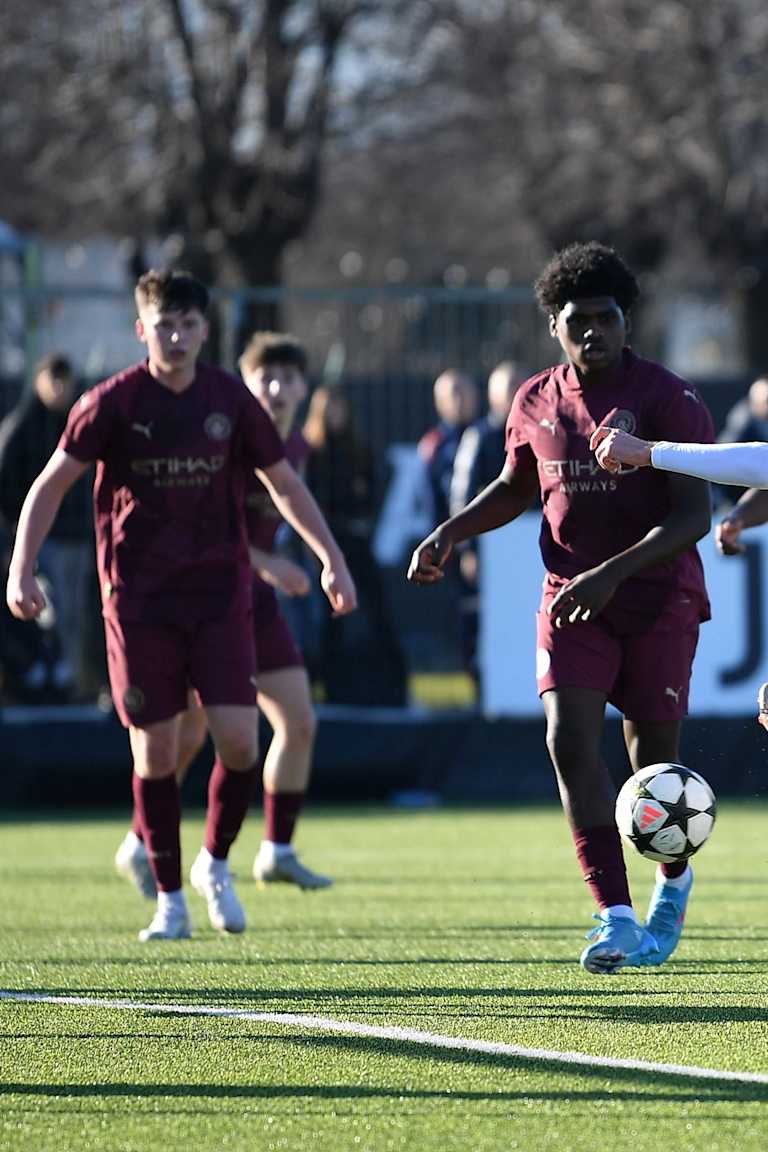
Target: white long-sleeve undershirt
{"points": [[744, 465]]}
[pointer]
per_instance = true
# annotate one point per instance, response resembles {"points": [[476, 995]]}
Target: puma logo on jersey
{"points": [[674, 693], [144, 429], [551, 424], [691, 395]]}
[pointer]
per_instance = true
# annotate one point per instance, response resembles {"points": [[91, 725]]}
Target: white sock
{"points": [[621, 912], [133, 842], [674, 881], [276, 850], [172, 902], [211, 863]]}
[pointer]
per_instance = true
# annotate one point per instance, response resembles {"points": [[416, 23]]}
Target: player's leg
{"points": [[234, 730], [156, 800], [149, 689], [574, 728], [286, 701], [659, 666], [132, 859]]}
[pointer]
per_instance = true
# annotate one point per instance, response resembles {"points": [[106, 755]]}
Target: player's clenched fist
{"points": [[428, 560], [612, 448], [24, 596], [339, 587]]}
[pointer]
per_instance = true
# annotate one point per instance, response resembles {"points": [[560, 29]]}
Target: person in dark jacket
{"points": [[28, 435]]}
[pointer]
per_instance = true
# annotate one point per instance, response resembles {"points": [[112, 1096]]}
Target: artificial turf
{"points": [[459, 922]]}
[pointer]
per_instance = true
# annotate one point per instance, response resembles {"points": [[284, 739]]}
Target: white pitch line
{"points": [[410, 1035]]}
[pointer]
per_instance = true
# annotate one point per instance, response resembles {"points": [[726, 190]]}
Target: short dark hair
{"points": [[171, 291], [56, 363], [583, 270], [273, 348]]}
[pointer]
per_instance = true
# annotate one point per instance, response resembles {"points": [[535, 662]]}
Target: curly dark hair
{"points": [[585, 270]]}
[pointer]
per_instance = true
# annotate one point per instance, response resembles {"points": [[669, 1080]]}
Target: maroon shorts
{"points": [[645, 674], [151, 666], [275, 645]]}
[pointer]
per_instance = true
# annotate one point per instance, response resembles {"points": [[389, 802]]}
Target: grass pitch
{"points": [[462, 923]]}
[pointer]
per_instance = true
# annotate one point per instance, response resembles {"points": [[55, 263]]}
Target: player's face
{"points": [[592, 332], [280, 389], [173, 338]]}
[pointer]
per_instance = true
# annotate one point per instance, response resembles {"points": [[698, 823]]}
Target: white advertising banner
{"points": [[731, 661]]}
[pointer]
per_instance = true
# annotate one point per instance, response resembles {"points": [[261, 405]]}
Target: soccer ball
{"points": [[666, 812]]}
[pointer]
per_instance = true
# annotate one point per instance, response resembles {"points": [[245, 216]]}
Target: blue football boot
{"points": [[617, 942], [666, 916]]}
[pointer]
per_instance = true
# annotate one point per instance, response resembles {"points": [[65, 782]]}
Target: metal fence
{"points": [[386, 344]]}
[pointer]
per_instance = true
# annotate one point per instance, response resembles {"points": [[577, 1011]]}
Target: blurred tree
{"points": [[202, 121], [642, 124]]}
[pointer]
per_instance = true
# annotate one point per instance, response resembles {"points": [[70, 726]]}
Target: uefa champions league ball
{"points": [[666, 812]]}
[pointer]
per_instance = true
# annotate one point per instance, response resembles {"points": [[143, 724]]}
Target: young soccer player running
{"points": [[173, 440], [273, 366], [624, 590]]}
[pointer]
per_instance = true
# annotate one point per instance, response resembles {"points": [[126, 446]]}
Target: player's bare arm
{"points": [[612, 448], [23, 593], [748, 512], [280, 572], [498, 504], [688, 521], [297, 505]]}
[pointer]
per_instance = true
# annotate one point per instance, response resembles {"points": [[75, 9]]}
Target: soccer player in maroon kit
{"points": [[173, 440], [624, 590], [273, 367]]}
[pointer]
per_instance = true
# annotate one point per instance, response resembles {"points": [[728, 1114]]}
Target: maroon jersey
{"points": [[169, 490], [261, 517], [591, 515]]}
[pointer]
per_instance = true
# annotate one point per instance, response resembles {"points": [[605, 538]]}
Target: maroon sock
{"points": [[136, 825], [672, 871], [158, 808], [229, 794], [281, 811], [601, 859]]}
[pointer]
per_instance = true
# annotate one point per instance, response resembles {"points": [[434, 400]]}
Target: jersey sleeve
{"points": [[262, 446], [89, 426], [683, 417], [520, 455]]}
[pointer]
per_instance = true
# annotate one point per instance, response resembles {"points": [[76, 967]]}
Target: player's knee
{"points": [[154, 765], [565, 745], [239, 750], [303, 729]]}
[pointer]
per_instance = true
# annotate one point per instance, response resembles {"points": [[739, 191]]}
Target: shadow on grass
{"points": [[597, 1084]]}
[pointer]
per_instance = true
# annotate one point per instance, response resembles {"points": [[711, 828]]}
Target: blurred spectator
{"points": [[356, 669], [746, 421], [479, 459], [28, 436], [480, 454], [456, 403]]}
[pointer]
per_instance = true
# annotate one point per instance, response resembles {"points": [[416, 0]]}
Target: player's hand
{"points": [[429, 559], [612, 448], [582, 598], [728, 537], [285, 576], [24, 597], [339, 587], [762, 706]]}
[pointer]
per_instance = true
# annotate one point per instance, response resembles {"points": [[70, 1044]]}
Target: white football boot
{"points": [[170, 921], [210, 878], [132, 862], [275, 866]]}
